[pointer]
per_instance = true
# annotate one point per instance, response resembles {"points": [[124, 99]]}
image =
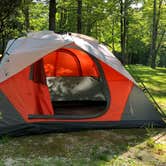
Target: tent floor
{"points": [[73, 110], [78, 107]]}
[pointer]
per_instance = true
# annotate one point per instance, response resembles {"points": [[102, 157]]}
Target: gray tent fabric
{"points": [[36, 45], [139, 107], [9, 115]]}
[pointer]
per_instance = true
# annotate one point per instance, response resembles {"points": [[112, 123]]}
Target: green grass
{"points": [[117, 147]]}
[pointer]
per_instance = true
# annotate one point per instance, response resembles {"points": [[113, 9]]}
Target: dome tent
{"points": [[51, 82]]}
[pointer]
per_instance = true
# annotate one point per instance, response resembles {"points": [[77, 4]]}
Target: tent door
{"points": [[78, 90]]}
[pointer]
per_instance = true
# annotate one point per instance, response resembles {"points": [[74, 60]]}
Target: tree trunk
{"points": [[113, 42], [63, 20], [123, 28], [154, 37], [126, 23], [26, 21], [154, 48], [88, 26], [79, 16], [52, 13], [122, 31], [25, 10], [96, 30]]}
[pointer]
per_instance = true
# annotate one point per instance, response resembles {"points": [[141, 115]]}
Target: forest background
{"points": [[134, 30]]}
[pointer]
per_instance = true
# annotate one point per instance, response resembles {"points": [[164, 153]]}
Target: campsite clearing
{"points": [[128, 147]]}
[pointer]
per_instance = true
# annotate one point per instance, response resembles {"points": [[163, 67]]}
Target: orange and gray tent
{"points": [[51, 82]]}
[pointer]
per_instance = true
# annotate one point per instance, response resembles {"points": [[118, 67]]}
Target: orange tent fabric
{"points": [[69, 62]]}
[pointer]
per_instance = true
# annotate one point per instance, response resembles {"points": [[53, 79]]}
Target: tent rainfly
{"points": [[51, 82]]}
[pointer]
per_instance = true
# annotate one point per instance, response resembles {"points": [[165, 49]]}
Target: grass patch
{"points": [[4, 139], [96, 147]]}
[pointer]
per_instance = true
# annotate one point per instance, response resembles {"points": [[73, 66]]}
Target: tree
{"points": [[52, 13], [39, 15], [79, 16], [124, 7], [9, 24], [25, 10], [155, 28], [123, 24], [122, 31]]}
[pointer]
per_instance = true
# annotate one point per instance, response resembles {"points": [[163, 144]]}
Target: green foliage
{"points": [[100, 19], [4, 139], [38, 16], [151, 143], [10, 27]]}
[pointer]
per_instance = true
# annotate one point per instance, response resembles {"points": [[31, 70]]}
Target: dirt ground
{"points": [[96, 147]]}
